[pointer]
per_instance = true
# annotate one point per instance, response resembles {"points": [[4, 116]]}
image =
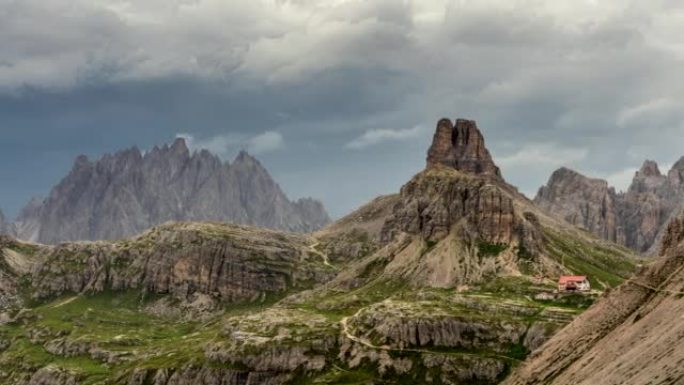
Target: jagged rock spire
{"points": [[461, 146]]}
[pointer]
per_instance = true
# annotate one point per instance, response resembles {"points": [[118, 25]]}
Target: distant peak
{"points": [[650, 168], [679, 165], [180, 146], [565, 175], [563, 171], [81, 161], [244, 156], [461, 146]]}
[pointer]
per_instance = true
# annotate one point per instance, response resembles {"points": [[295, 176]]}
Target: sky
{"points": [[339, 98]]}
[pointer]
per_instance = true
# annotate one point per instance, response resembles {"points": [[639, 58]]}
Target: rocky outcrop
{"points": [[461, 146], [123, 194], [436, 200], [205, 376], [632, 336], [227, 263], [635, 218], [585, 202], [52, 376], [460, 183]]}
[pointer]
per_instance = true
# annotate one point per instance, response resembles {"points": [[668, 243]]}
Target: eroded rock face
{"points": [[123, 194], [205, 376], [636, 218], [461, 146], [237, 264], [585, 202], [52, 376], [434, 201]]}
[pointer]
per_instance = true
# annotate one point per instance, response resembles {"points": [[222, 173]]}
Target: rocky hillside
{"points": [[450, 281], [123, 194], [632, 336], [636, 218]]}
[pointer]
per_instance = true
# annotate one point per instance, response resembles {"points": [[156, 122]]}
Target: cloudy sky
{"points": [[338, 98]]}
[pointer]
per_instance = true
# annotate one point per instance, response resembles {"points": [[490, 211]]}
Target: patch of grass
{"points": [[518, 351], [487, 249], [574, 301], [603, 266]]}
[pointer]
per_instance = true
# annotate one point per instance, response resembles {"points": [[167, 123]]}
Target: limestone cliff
{"points": [[227, 263]]}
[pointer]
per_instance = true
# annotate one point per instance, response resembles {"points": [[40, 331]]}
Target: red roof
{"points": [[571, 278]]}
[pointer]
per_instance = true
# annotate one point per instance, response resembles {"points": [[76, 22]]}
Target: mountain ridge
{"points": [[122, 194], [635, 218]]}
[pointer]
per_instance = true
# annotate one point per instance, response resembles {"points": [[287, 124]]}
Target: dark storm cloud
{"points": [[345, 90]]}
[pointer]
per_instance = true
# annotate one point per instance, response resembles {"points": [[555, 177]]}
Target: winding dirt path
{"points": [[66, 301], [326, 261]]}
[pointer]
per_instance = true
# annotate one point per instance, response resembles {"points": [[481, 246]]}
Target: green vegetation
{"points": [[487, 249], [518, 351], [604, 266]]}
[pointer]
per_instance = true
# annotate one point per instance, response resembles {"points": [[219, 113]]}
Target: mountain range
{"points": [[636, 218], [123, 194], [449, 281]]}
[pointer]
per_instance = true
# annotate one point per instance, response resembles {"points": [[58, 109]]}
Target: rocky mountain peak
{"points": [[648, 178], [566, 175], [649, 168], [585, 202], [676, 173], [179, 145], [81, 161], [245, 158], [636, 218], [461, 146], [124, 193]]}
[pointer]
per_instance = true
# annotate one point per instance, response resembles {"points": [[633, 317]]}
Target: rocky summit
{"points": [[461, 146], [636, 218], [450, 281], [123, 194]]}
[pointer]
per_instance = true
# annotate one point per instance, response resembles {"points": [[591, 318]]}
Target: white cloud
{"points": [[221, 145], [621, 179], [652, 114], [266, 142], [543, 154], [382, 135], [226, 145]]}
